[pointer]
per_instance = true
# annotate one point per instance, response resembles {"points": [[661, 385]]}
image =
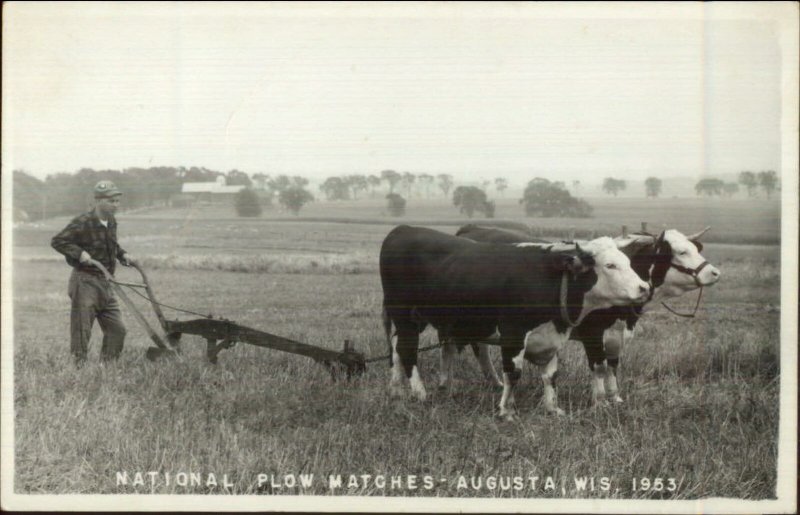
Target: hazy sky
{"points": [[560, 91]]}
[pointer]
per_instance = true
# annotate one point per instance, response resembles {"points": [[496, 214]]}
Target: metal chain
{"points": [[381, 358], [166, 305]]}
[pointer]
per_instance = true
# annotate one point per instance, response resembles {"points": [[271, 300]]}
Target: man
{"points": [[93, 236]]}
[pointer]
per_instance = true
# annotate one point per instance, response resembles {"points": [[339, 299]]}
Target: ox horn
{"points": [[696, 236]]}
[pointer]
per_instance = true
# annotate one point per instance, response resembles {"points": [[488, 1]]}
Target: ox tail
{"points": [[387, 328]]}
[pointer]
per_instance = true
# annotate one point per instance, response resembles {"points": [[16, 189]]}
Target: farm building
{"points": [[210, 192]]}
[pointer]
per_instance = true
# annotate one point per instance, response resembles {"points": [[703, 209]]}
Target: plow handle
{"points": [[151, 296], [139, 317]]}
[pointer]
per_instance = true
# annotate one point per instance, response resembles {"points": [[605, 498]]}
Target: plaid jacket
{"points": [[85, 232]]}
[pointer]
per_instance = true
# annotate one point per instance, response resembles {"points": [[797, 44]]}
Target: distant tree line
{"points": [[767, 180], [66, 193]]}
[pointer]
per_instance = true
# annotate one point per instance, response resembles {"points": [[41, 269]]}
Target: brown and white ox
{"points": [[469, 291]]}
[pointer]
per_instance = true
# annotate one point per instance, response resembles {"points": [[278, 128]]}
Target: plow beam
{"points": [[227, 333]]}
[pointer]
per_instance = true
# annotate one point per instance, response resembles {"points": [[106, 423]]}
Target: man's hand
{"points": [[85, 258], [127, 260]]}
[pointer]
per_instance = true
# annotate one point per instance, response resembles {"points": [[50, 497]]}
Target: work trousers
{"points": [[93, 298]]}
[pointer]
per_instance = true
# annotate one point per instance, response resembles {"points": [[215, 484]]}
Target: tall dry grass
{"points": [[701, 397]]}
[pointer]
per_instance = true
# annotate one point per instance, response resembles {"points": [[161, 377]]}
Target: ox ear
{"points": [[576, 265], [698, 245]]}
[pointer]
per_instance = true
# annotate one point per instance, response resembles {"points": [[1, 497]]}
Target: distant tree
{"points": [[265, 197], [550, 199], [576, 186], [730, 189], [614, 186], [426, 181], [374, 182], [768, 181], [652, 186], [391, 177], [489, 208], [469, 199], [445, 183], [247, 203], [500, 184], [201, 174], [29, 196], [294, 198], [335, 188], [396, 204], [709, 187], [408, 179], [356, 183], [279, 183], [260, 181], [749, 181], [282, 182], [237, 178], [147, 186]]}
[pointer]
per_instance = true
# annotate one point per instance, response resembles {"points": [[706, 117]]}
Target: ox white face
{"points": [[685, 254], [617, 284]]}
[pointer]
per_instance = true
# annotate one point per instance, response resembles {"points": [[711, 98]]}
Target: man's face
{"points": [[107, 206]]}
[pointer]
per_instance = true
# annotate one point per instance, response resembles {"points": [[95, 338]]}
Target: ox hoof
{"points": [[494, 382], [396, 392], [508, 416], [452, 385], [420, 395], [615, 399], [557, 412]]}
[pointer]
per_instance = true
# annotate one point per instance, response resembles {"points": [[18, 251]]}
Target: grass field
{"points": [[701, 396]]}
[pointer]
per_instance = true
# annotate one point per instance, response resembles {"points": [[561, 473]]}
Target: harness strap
{"points": [[694, 272]]}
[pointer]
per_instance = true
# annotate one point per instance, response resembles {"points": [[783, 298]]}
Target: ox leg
{"points": [[446, 363], [513, 356], [396, 380], [598, 384], [481, 351], [541, 348], [404, 356], [549, 373], [593, 345], [613, 347]]}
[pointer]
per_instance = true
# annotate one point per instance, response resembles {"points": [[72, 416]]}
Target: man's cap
{"points": [[106, 189]]}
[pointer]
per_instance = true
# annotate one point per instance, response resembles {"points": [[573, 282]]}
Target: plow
{"points": [[221, 333]]}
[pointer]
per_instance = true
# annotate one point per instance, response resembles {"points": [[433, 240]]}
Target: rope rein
{"points": [[686, 315]]}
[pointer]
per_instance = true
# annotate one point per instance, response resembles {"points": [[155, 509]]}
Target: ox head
{"points": [[617, 284], [679, 267]]}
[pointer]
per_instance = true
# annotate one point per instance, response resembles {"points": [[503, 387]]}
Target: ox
{"points": [[469, 290], [671, 263]]}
